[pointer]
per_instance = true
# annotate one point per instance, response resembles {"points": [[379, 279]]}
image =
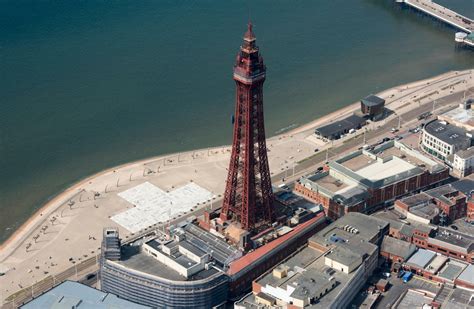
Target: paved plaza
{"points": [[154, 205]]}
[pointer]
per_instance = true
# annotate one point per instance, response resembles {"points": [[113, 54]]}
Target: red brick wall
{"points": [[332, 209], [450, 253], [256, 288], [470, 210], [401, 205], [391, 257], [464, 284], [377, 196]]}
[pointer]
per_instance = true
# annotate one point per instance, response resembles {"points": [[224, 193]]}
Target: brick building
{"points": [[425, 207], [396, 250], [366, 179]]}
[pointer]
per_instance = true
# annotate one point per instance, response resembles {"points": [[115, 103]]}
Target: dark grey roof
{"points": [[464, 185], [310, 282], [453, 240], [193, 249], [156, 245], [442, 192], [352, 197], [340, 126], [417, 199], [446, 132], [221, 251], [466, 154], [344, 256], [373, 100], [397, 247]]}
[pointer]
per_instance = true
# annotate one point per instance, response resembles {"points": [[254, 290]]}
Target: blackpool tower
{"points": [[248, 196]]}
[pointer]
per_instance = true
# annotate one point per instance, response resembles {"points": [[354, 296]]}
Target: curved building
{"points": [[154, 290], [182, 272], [442, 139]]}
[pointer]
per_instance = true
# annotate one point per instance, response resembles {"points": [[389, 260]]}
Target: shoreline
{"points": [[56, 201]]}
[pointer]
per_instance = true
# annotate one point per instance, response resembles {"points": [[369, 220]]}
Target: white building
{"points": [[463, 162], [441, 139]]}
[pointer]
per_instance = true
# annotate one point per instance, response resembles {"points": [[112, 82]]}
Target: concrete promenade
{"points": [[442, 13], [67, 230]]}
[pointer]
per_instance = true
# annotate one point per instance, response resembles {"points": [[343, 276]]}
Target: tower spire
{"points": [[249, 34], [248, 197]]}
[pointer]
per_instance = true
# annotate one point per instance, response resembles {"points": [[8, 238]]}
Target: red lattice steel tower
{"points": [[248, 195]]}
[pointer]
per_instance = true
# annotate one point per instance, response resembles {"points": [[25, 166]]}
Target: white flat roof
{"points": [[153, 205], [379, 170]]}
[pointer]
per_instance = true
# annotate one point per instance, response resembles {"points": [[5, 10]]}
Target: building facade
{"points": [[366, 179], [463, 162], [372, 106], [441, 139]]}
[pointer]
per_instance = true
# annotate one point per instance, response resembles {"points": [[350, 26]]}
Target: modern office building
{"points": [[196, 268], [183, 271], [441, 139]]}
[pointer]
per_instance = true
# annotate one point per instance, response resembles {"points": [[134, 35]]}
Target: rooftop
{"points": [[435, 265], [307, 269], [379, 169], [414, 299], [407, 227], [351, 225], [466, 154], [467, 275], [460, 115], [453, 240], [340, 126], [459, 299], [446, 132], [133, 258], [345, 256], [383, 164], [445, 193], [71, 294], [464, 185], [310, 282], [451, 270], [421, 205], [251, 257], [421, 258], [397, 247], [373, 100], [189, 246], [341, 192]]}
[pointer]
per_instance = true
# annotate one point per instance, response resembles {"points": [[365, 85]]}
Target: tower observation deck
{"points": [[248, 195]]}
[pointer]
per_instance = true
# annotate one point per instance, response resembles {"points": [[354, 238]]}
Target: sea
{"points": [[87, 85]]}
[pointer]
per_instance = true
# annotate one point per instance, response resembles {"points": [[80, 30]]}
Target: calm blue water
{"points": [[86, 85]]}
